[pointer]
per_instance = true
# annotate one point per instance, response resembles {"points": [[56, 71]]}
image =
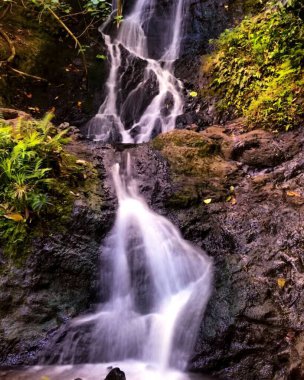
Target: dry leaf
{"points": [[281, 282], [81, 162], [207, 201], [233, 201], [15, 217], [293, 194]]}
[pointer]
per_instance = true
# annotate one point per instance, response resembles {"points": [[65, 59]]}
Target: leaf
{"points": [[293, 194], [15, 217], [75, 194], [233, 201], [207, 201], [101, 56], [281, 282], [193, 94], [81, 162]]}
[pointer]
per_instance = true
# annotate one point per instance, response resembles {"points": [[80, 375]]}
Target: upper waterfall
{"points": [[143, 97]]}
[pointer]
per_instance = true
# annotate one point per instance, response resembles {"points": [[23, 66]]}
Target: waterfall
{"points": [[159, 283], [136, 109], [155, 284]]}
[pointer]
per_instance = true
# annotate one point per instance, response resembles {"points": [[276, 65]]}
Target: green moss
{"points": [[197, 168], [257, 70]]}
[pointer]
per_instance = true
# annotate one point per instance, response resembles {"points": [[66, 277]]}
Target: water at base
{"points": [[133, 371]]}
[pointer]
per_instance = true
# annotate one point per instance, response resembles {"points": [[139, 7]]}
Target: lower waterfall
{"points": [[159, 285]]}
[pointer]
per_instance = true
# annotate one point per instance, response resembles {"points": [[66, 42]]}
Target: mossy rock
{"points": [[256, 70], [198, 167]]}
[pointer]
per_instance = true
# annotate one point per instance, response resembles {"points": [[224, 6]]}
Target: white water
{"points": [[133, 37]]}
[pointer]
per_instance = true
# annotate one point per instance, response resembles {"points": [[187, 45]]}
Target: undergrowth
{"points": [[257, 68], [36, 177]]}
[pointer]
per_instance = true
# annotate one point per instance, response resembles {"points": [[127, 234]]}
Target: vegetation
{"points": [[62, 12], [92, 7], [257, 68], [36, 176]]}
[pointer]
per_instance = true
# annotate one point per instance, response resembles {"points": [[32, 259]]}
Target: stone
{"points": [[116, 374]]}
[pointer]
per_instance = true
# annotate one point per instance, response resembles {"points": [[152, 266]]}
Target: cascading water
{"points": [[156, 285], [159, 284], [136, 109]]}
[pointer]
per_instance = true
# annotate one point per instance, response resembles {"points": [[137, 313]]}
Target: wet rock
{"points": [[11, 116], [116, 374], [57, 279], [253, 228], [71, 131]]}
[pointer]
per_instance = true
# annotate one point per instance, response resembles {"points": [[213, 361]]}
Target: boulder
{"points": [[116, 374]]}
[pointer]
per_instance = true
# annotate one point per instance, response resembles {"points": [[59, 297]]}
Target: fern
{"points": [[32, 159]]}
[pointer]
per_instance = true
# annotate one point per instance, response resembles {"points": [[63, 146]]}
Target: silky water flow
{"points": [[138, 107], [159, 286]]}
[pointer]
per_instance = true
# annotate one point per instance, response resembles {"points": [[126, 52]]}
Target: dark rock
{"points": [[253, 327], [116, 374], [57, 279]]}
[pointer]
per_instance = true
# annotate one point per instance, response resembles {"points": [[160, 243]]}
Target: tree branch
{"points": [[72, 35], [27, 75], [11, 46]]}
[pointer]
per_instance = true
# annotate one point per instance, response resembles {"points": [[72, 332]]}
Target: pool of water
{"points": [[133, 371]]}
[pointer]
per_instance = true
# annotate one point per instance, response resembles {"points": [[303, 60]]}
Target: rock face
{"points": [[57, 279], [253, 328]]}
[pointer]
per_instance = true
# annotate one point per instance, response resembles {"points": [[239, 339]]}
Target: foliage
{"points": [[257, 70], [92, 7], [32, 160], [87, 12]]}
